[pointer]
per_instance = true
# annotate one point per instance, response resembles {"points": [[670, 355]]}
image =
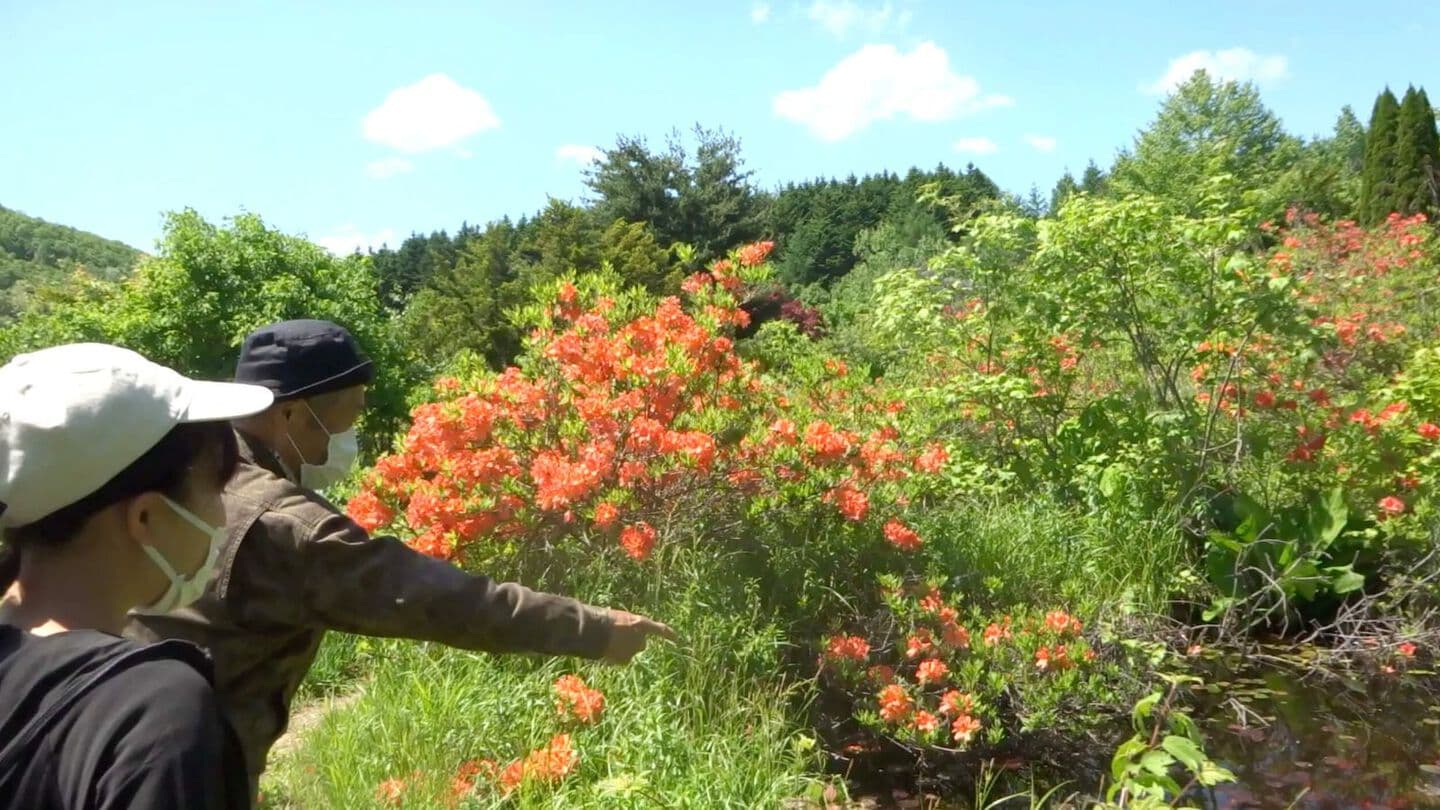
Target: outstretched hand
{"points": [[629, 634]]}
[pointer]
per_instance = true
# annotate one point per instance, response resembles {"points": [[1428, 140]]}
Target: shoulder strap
{"points": [[79, 687]]}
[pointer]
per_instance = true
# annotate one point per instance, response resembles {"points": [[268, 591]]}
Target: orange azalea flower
{"points": [[1407, 649], [468, 774], [826, 443], [853, 504], [901, 536], [919, 644], [1058, 621], [638, 540], [995, 633], [881, 674], [955, 636], [932, 602], [574, 698], [895, 704], [926, 723], [606, 514], [1391, 506], [964, 729], [847, 648], [391, 792], [931, 670], [755, 253], [933, 459], [956, 703], [367, 510]]}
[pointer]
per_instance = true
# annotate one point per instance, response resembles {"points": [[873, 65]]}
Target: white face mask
{"points": [[340, 456], [185, 590]]}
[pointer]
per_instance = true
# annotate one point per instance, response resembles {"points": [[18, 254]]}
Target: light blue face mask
{"points": [[184, 590]]}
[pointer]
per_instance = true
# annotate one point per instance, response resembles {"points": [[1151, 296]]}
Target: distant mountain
{"points": [[34, 253]]}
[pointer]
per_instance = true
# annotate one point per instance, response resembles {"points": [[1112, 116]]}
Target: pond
{"points": [[1337, 742]]}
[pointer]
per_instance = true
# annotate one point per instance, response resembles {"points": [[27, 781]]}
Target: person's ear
{"points": [[140, 515]]}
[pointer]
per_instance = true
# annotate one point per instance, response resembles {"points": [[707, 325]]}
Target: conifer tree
{"points": [[1377, 189]]}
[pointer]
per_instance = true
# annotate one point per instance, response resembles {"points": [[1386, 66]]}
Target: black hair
{"points": [[165, 468]]}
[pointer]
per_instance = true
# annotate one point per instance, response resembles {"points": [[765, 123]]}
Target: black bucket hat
{"points": [[303, 358]]}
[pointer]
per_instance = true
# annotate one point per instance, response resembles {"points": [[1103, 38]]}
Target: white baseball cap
{"points": [[73, 417]]}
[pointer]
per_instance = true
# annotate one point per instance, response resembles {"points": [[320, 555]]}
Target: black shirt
{"points": [[149, 735]]}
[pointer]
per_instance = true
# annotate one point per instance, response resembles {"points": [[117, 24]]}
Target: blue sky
{"points": [[359, 122]]}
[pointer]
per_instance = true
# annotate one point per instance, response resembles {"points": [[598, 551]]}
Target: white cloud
{"points": [[976, 146], [432, 113], [878, 82], [840, 17], [760, 13], [1042, 143], [347, 239], [389, 167], [578, 154], [1235, 64]]}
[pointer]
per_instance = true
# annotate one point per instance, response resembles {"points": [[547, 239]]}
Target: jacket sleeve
{"points": [[381, 587]]}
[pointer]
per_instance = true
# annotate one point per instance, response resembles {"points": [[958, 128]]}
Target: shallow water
{"points": [[1363, 742]]}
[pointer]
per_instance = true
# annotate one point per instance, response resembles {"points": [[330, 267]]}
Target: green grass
{"points": [[683, 728], [1033, 552], [712, 722]]}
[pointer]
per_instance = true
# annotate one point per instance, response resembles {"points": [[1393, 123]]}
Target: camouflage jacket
{"points": [[294, 566]]}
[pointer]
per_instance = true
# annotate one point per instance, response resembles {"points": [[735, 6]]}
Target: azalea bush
{"points": [[633, 426], [931, 672]]}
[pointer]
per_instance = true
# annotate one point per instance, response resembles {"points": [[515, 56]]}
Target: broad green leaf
{"points": [[1187, 752]]}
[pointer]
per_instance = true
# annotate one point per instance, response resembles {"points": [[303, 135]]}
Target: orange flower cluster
{"points": [[895, 704], [931, 671], [847, 648], [548, 765], [964, 729], [574, 699], [638, 540], [1055, 658], [1058, 621], [901, 536], [996, 633]]}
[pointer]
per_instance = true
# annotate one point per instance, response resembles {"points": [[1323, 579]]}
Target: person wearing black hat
{"points": [[293, 566]]}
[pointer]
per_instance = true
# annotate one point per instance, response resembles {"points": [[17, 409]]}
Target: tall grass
{"points": [[712, 722]]}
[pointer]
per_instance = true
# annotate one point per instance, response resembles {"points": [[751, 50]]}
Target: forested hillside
{"points": [[35, 253]]}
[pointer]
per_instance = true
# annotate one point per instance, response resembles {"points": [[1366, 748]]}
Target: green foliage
{"points": [[817, 223], [1417, 156], [1327, 177], [35, 254], [1166, 742], [190, 306], [706, 200], [1284, 561], [1378, 191], [1206, 129]]}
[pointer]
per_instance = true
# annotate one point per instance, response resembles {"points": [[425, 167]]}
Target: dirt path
{"points": [[307, 717]]}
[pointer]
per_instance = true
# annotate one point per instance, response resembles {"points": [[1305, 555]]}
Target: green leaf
{"points": [[1143, 708], [1327, 518], [1157, 762], [1345, 579], [1187, 752], [1210, 774]]}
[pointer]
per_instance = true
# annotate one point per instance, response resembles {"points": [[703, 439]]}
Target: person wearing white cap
{"points": [[111, 469]]}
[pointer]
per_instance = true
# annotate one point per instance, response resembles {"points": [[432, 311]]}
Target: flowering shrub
{"points": [[931, 676], [624, 408], [1138, 362]]}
